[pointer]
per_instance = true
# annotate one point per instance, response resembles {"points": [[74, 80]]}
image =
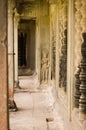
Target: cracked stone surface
{"points": [[34, 107]]}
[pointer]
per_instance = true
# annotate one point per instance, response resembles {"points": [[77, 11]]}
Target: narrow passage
{"points": [[35, 108]]}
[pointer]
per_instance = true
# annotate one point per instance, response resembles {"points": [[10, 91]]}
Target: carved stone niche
{"points": [[82, 101]]}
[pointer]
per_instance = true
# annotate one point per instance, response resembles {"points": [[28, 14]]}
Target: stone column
{"points": [[78, 42], [70, 56], [12, 105], [57, 48], [63, 36], [77, 87], [50, 69], [3, 67], [60, 41], [38, 50], [16, 21], [52, 41], [82, 101]]}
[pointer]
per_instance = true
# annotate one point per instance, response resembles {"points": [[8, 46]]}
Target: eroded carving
{"points": [[53, 57], [77, 87], [78, 42], [44, 67], [82, 101], [63, 47]]}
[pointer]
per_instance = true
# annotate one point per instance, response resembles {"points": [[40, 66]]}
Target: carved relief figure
{"points": [[44, 67]]}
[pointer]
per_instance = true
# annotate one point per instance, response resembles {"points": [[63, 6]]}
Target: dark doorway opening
{"points": [[22, 49], [26, 46]]}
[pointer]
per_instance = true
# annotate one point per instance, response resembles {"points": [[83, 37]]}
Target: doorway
{"points": [[26, 46]]}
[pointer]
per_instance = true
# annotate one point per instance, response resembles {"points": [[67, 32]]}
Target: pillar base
{"points": [[82, 116], [17, 85], [12, 106]]}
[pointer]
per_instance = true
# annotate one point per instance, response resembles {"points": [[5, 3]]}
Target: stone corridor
{"points": [[36, 107], [43, 64]]}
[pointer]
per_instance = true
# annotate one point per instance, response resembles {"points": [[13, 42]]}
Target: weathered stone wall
{"points": [[3, 67], [44, 31], [53, 13], [75, 26], [44, 40]]}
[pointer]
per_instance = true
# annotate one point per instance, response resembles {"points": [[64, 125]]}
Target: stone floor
{"points": [[35, 107]]}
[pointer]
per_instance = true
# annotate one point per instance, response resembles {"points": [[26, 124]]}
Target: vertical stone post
{"points": [[38, 46], [60, 41], [3, 67], [82, 101], [57, 48], [12, 105], [52, 40], [78, 42], [50, 68], [70, 56], [63, 37], [16, 21], [77, 87]]}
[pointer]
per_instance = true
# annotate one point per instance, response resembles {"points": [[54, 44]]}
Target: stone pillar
{"points": [[60, 41], [16, 20], [71, 57], [57, 48], [12, 105], [38, 46], [78, 42], [63, 36], [52, 40], [50, 69], [3, 67], [82, 101], [77, 87]]}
